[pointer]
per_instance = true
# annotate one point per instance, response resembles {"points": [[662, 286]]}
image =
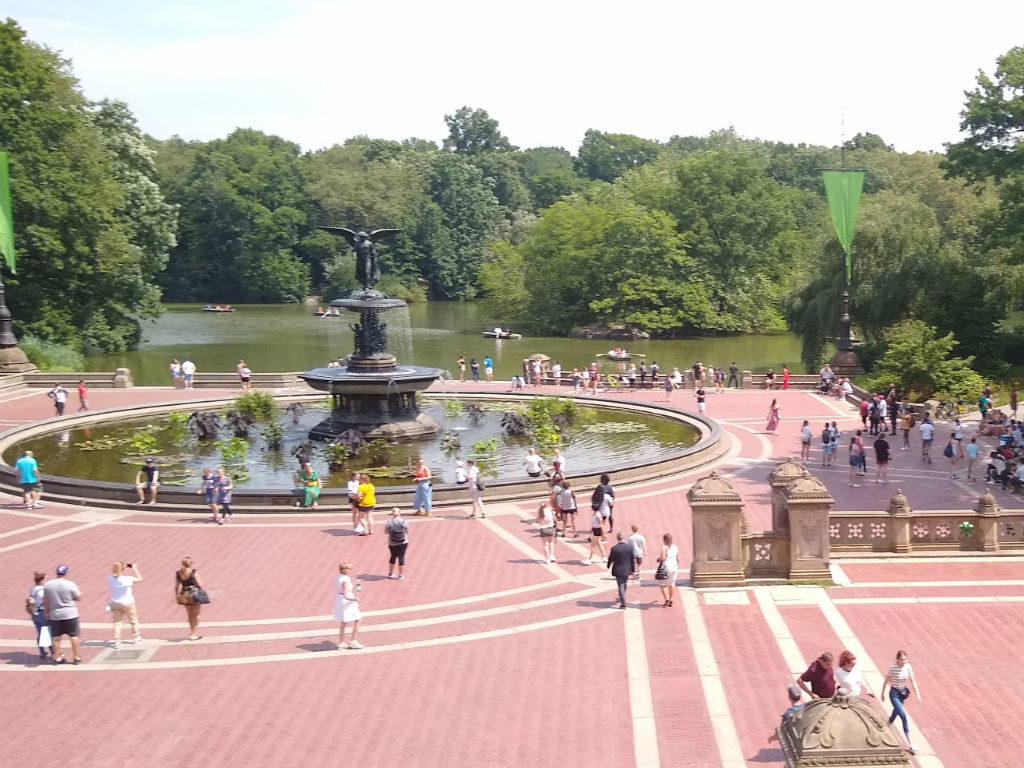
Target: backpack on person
{"points": [[398, 530], [948, 451], [826, 436]]}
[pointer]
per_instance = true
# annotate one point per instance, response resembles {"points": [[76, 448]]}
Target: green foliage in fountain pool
{"points": [[598, 439]]}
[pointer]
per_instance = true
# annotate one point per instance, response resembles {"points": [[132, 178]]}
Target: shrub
{"points": [[142, 443], [233, 451], [918, 360], [259, 405], [379, 451], [50, 356], [273, 436], [336, 454]]}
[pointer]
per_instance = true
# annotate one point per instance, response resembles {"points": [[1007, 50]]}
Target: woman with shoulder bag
{"points": [[397, 530], [898, 678], [546, 526], [669, 560], [189, 592], [476, 485], [35, 608]]}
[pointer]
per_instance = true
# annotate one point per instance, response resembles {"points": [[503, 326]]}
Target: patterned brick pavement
{"points": [[484, 656]]}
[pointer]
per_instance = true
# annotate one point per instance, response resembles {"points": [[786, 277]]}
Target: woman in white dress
{"points": [[670, 559], [346, 606]]}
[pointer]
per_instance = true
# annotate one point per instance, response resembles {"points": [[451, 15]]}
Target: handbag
{"points": [[662, 572], [45, 639], [904, 693], [199, 596], [547, 530], [481, 485]]}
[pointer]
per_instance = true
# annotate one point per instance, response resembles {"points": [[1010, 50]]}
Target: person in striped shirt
{"points": [[897, 678]]}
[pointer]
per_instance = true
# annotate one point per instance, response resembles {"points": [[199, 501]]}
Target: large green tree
{"points": [[606, 156], [86, 257]]}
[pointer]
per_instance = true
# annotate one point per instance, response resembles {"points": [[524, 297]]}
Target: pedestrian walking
{"points": [[898, 679], [669, 561], [972, 459], [122, 600], [346, 606], [60, 596], [224, 487], [188, 373], [59, 395], [906, 424], [773, 417], [620, 561], [927, 434], [397, 529], [83, 396], [805, 441], [422, 502], [856, 451], [28, 476], [566, 504], [1013, 403], [366, 500], [828, 447], [546, 528], [596, 537], [639, 544], [476, 487], [882, 459], [244, 375], [311, 485], [603, 500], [819, 680], [461, 362], [186, 586], [208, 487], [36, 609], [950, 453], [488, 368], [669, 386], [894, 413], [147, 478], [352, 489], [734, 381], [701, 396], [958, 435], [474, 368]]}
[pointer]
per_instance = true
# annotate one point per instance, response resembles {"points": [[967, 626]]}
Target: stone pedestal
{"points": [[784, 473], [843, 730], [845, 361], [123, 378], [14, 360], [717, 513], [988, 522], [808, 504], [900, 512]]}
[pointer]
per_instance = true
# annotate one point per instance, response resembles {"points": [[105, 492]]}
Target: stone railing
{"points": [[806, 532]]}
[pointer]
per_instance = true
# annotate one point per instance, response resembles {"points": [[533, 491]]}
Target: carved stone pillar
{"points": [[900, 540], [988, 522], [785, 472], [717, 512], [809, 504]]}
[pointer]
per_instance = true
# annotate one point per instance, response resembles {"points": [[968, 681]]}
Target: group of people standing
{"points": [[183, 373]]}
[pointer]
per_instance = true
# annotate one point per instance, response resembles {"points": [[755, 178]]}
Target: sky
{"points": [[317, 72]]}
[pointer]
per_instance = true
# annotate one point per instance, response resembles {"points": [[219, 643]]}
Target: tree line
{"points": [[694, 235]]}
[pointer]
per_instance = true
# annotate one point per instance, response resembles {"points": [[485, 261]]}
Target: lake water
{"points": [[289, 338]]}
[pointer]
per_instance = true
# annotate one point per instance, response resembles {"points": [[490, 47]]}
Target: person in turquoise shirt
{"points": [[28, 476]]}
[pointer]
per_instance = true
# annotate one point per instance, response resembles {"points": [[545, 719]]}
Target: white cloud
{"points": [[319, 72]]}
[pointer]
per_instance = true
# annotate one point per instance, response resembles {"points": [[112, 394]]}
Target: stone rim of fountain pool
{"points": [[709, 448]]}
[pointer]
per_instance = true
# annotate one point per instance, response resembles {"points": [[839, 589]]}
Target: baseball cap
{"points": [[794, 692], [61, 570], [149, 461]]}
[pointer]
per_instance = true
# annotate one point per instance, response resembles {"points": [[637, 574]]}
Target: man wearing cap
{"points": [[147, 477], [60, 596], [28, 476], [795, 705]]}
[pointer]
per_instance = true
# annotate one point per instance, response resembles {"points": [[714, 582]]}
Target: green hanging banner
{"points": [[6, 218], [843, 188]]}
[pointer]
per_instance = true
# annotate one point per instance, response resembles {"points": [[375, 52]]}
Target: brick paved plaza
{"points": [[484, 655]]}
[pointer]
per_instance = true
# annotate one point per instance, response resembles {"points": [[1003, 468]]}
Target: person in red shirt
{"points": [[819, 680], [83, 396], [785, 377]]}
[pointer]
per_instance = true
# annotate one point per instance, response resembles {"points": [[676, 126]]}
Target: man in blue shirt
{"points": [[28, 476], [489, 368]]}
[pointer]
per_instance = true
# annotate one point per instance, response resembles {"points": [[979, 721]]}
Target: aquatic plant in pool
{"points": [[274, 449]]}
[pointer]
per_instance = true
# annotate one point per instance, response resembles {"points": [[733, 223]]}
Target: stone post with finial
{"points": [[988, 522], [717, 514], [12, 358], [899, 514], [809, 505]]}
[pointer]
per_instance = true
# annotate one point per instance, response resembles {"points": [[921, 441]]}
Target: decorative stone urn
{"points": [[717, 512], [843, 730], [899, 508], [808, 505], [784, 473]]}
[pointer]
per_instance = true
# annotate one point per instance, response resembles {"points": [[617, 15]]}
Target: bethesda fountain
{"points": [[371, 391]]}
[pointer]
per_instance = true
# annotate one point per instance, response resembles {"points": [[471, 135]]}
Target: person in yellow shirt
{"points": [[367, 500]]}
